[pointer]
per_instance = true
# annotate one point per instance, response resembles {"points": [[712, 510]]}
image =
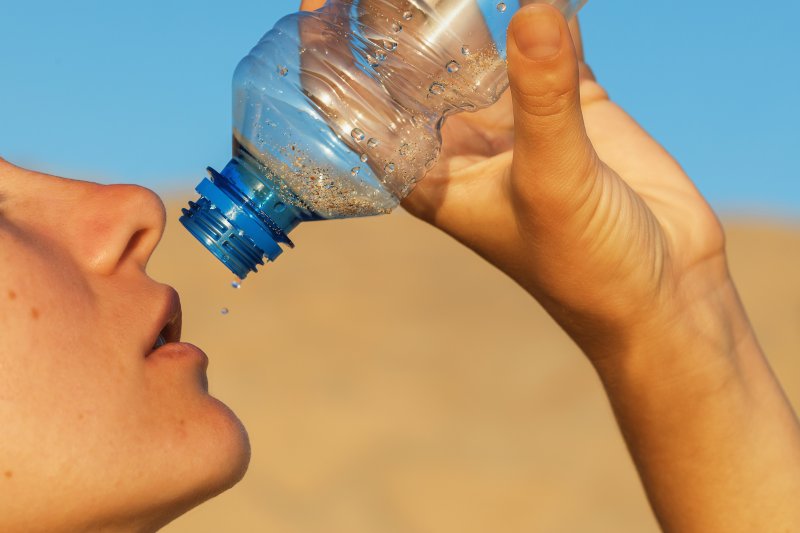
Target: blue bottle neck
{"points": [[244, 214]]}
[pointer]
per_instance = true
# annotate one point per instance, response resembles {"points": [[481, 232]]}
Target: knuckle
{"points": [[545, 94], [548, 103]]}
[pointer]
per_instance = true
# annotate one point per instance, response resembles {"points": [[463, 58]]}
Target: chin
{"points": [[229, 452], [220, 458], [239, 446]]}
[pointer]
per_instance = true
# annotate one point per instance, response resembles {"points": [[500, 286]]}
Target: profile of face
{"points": [[98, 431]]}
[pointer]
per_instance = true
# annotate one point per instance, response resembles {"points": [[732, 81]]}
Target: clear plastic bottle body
{"points": [[339, 111]]}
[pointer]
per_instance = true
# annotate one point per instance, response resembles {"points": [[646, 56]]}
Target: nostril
{"points": [[134, 244], [138, 217]]}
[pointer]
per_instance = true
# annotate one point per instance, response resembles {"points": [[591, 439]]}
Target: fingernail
{"points": [[537, 31]]}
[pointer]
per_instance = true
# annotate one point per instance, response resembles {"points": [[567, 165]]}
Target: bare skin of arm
{"points": [[562, 190]]}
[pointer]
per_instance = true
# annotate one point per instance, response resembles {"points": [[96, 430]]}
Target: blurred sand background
{"points": [[393, 382]]}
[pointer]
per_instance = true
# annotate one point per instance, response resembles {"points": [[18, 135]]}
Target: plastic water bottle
{"points": [[337, 113]]}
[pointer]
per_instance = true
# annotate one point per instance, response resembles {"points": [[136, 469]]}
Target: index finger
{"points": [[575, 29]]}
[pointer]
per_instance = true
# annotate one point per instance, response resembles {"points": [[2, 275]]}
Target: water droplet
{"points": [[224, 311], [364, 158], [373, 142], [358, 134], [380, 56], [397, 27], [408, 15], [501, 7], [355, 170], [436, 88], [390, 45], [405, 149], [465, 51], [283, 71], [453, 67], [389, 168], [237, 284]]}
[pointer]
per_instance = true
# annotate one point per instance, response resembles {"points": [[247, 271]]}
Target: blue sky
{"points": [[139, 92]]}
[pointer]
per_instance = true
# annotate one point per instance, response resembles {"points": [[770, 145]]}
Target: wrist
{"points": [[704, 418], [699, 331]]}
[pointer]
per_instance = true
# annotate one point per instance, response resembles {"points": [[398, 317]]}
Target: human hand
{"points": [[562, 190]]}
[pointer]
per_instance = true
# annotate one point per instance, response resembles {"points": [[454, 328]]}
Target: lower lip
{"points": [[180, 350]]}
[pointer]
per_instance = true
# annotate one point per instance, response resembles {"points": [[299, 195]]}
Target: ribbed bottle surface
{"points": [[337, 113], [345, 104]]}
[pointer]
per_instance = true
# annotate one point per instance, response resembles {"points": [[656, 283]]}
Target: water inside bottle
{"points": [[345, 111], [338, 113]]}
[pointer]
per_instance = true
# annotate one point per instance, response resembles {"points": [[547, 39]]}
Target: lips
{"points": [[169, 321]]}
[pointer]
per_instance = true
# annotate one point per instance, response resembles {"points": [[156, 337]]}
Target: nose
{"points": [[122, 226]]}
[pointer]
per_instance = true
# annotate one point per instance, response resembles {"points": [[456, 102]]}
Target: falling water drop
{"points": [[501, 7], [364, 158], [236, 284], [373, 142], [355, 170], [453, 67], [465, 51]]}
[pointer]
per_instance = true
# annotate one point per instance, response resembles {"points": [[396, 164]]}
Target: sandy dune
{"points": [[393, 382]]}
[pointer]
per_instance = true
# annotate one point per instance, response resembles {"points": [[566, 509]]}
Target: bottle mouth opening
{"points": [[221, 237]]}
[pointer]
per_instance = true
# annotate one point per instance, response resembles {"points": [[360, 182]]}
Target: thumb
{"points": [[554, 160]]}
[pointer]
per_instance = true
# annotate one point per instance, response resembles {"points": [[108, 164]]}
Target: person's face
{"points": [[97, 430]]}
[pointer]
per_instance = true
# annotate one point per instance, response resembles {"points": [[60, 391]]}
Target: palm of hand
{"points": [[637, 234]]}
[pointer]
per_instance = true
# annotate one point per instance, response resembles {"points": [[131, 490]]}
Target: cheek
{"points": [[41, 327], [56, 376]]}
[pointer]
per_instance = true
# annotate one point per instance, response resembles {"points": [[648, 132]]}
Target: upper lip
{"points": [[169, 319]]}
